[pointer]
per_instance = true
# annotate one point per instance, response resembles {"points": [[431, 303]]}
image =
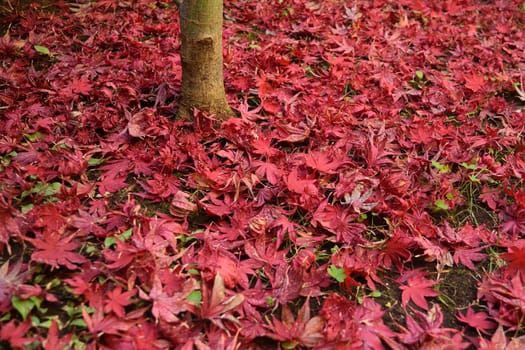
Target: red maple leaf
{"points": [[263, 146], [161, 185], [338, 312], [218, 207], [15, 334], [52, 341], [114, 176], [378, 150], [513, 219], [417, 288], [182, 204], [269, 170], [86, 223], [116, 300], [300, 186], [8, 224], [245, 111], [369, 319], [79, 284], [505, 294], [396, 249], [499, 342], [49, 217], [426, 329], [293, 132], [321, 162], [264, 252], [81, 86], [387, 81], [111, 184], [303, 330], [215, 305], [474, 82], [167, 304], [56, 251], [339, 221], [11, 283], [422, 133], [140, 122], [287, 283], [97, 323], [479, 320], [263, 85], [467, 256], [515, 256]]}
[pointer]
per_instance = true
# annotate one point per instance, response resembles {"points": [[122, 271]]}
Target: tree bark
{"points": [[201, 55]]}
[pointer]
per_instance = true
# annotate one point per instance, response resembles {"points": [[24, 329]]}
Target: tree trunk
{"points": [[201, 54]]}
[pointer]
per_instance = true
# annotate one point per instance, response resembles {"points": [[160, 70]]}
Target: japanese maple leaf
{"points": [[396, 250], [182, 203], [510, 292], [263, 146], [264, 86], [338, 221], [167, 306], [435, 251], [340, 327], [52, 341], [474, 82], [140, 122], [417, 288], [114, 176], [215, 305], [81, 85], [515, 256], [264, 252], [79, 284], [479, 320], [8, 224], [387, 81], [15, 335], [86, 223], [303, 330], [467, 256], [513, 219], [245, 111], [426, 329], [293, 133], [321, 162], [228, 268], [269, 170], [11, 283], [378, 152], [161, 185], [56, 251], [116, 300], [218, 207], [421, 133], [499, 342], [300, 186], [98, 323], [358, 199], [369, 319], [48, 217], [287, 283]]}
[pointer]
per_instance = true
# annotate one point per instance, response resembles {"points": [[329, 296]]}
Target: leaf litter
{"points": [[369, 195]]}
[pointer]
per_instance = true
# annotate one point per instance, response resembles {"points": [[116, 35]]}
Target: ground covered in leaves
{"points": [[369, 195]]}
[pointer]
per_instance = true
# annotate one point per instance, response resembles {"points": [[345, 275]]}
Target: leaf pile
{"points": [[368, 196]]}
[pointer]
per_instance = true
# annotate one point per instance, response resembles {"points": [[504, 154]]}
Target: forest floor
{"points": [[369, 193]]}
